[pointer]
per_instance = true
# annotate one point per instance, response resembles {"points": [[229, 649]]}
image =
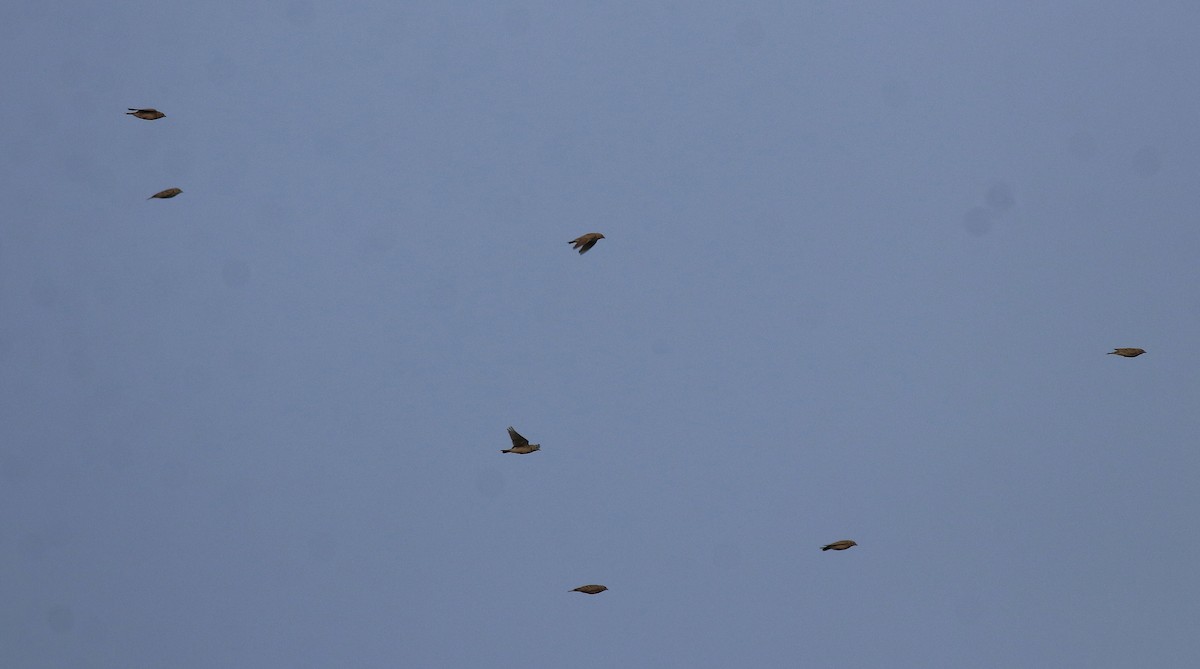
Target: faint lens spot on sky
{"points": [[234, 500], [182, 161], [977, 221], [569, 151], [1146, 161], [300, 12], [749, 32], [80, 364], [247, 365], [1000, 197], [273, 214], [815, 312], [322, 546], [896, 94], [163, 286], [44, 292], [12, 469], [378, 243], [490, 482], [19, 150], [197, 376], [220, 69], [516, 20], [513, 205], [117, 453], [71, 71], [235, 273], [60, 619], [76, 164], [442, 295], [968, 608], [35, 546], [327, 143], [726, 555], [1082, 146]]}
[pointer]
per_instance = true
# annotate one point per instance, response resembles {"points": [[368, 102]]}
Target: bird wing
{"points": [[517, 439], [588, 245]]}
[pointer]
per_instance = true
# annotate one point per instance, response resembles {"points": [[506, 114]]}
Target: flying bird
{"points": [[147, 114], [586, 242], [839, 545], [590, 589], [1127, 352], [521, 445], [164, 194]]}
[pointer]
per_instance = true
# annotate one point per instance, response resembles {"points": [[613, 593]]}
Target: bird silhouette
{"points": [[839, 545], [585, 242], [521, 445], [147, 114], [1127, 352]]}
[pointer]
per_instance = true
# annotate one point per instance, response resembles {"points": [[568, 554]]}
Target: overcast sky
{"points": [[862, 267]]}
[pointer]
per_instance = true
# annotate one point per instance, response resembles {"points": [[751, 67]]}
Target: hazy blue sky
{"points": [[863, 264]]}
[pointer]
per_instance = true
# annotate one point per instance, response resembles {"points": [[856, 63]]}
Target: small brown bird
{"points": [[1127, 352], [839, 545], [164, 194], [147, 114], [590, 589], [521, 445], [586, 242]]}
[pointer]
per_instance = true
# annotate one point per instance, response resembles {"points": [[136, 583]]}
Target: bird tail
{"points": [[1112, 353], [824, 548], [507, 450]]}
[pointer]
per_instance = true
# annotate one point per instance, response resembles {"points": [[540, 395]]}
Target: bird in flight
{"points": [[164, 194], [839, 545], [590, 589], [1127, 352], [584, 243], [147, 114], [521, 445]]}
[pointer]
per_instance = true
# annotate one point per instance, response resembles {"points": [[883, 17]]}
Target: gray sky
{"points": [[862, 267]]}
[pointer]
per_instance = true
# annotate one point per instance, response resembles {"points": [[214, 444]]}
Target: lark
{"points": [[839, 545], [164, 194], [590, 589], [586, 242], [146, 114], [1127, 352], [521, 445]]}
